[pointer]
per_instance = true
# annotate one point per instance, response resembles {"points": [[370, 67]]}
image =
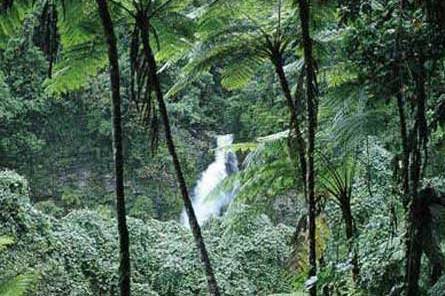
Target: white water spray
{"points": [[225, 163]]}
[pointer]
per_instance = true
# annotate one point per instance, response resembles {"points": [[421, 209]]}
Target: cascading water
{"points": [[206, 204]]}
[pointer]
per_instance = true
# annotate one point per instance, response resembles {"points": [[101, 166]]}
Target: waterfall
{"points": [[204, 203]]}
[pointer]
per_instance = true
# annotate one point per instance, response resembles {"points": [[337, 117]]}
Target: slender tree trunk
{"points": [[412, 164], [350, 235], [196, 229], [413, 244], [405, 146], [403, 130], [52, 38], [437, 259], [124, 242], [295, 130], [413, 252], [419, 138], [312, 126], [430, 242], [423, 238], [49, 28]]}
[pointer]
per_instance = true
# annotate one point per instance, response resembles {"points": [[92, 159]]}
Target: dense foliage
{"points": [[75, 255]]}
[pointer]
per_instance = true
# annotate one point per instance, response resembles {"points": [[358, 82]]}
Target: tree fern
{"points": [[175, 32], [237, 35]]}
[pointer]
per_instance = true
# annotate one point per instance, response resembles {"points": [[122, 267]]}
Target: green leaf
{"points": [[18, 285]]}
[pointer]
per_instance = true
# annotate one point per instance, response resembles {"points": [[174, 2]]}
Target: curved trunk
{"points": [[312, 126], [124, 252], [143, 24]]}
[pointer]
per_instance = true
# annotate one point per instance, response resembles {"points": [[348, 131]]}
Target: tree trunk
{"points": [[196, 229], [350, 234], [412, 166], [419, 140], [312, 126], [413, 253], [124, 252], [405, 147], [295, 130], [424, 238], [432, 249], [436, 258], [403, 135]]}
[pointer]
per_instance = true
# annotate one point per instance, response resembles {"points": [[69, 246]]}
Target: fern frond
{"points": [[238, 75], [176, 33], [355, 126], [11, 20], [83, 48], [236, 35], [18, 285]]}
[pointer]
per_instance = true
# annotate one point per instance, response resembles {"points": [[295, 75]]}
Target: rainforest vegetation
{"points": [[222, 147]]}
